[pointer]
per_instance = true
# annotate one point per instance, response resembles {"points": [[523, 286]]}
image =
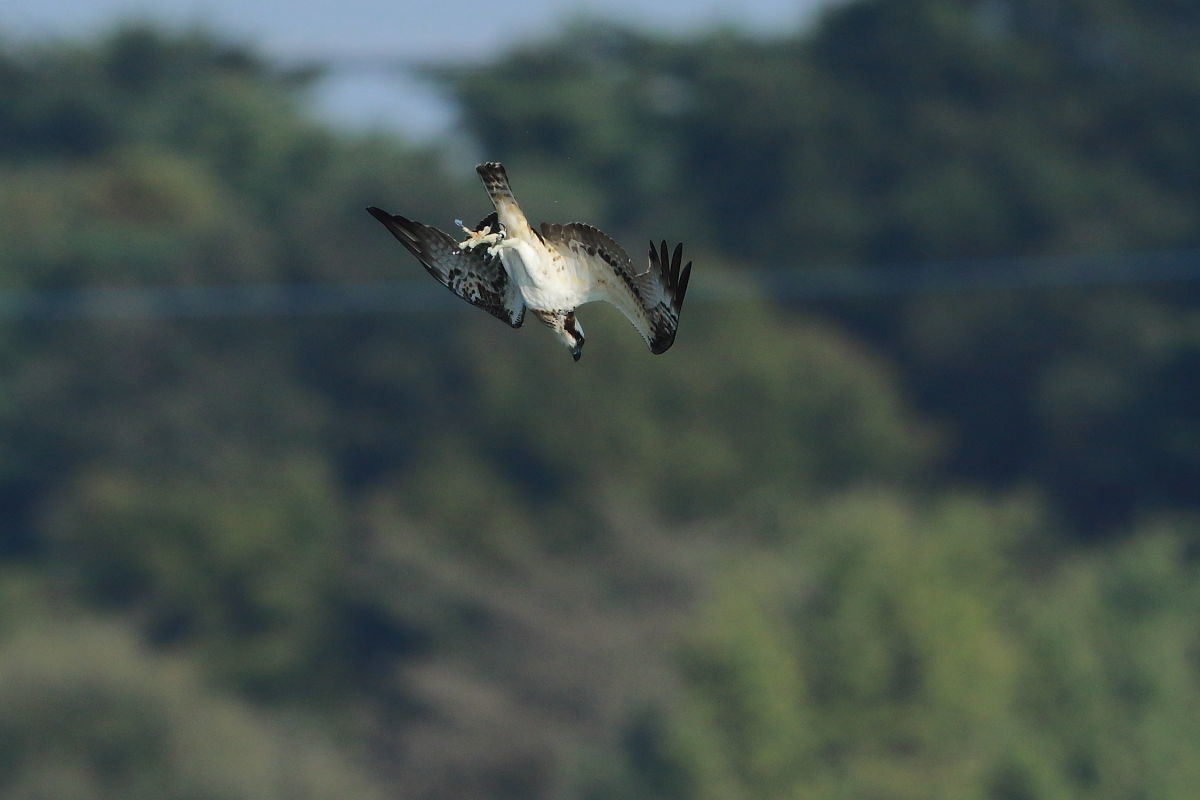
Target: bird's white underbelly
{"points": [[545, 283]]}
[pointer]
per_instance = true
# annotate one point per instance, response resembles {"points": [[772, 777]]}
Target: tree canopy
{"points": [[910, 542]]}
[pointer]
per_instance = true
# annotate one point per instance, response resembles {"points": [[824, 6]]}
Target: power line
{"points": [[232, 300], [1016, 274], [412, 296]]}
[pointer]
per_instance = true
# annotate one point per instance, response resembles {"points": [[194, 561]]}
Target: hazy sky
{"points": [[421, 31]]}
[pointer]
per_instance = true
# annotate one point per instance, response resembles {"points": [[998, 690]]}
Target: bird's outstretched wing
{"points": [[473, 275], [650, 298]]}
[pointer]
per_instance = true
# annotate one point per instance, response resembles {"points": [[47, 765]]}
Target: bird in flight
{"points": [[506, 266]]}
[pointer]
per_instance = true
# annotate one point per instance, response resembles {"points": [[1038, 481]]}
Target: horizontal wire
{"points": [[264, 300], [1182, 266], [231, 300]]}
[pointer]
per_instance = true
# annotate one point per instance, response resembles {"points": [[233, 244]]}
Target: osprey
{"points": [[506, 266]]}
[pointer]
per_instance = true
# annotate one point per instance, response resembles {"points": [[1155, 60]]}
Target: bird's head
{"points": [[571, 334]]}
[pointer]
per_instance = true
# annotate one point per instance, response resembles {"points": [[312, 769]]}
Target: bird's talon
{"points": [[476, 238]]}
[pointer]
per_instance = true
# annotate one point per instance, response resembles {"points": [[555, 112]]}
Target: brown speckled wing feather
{"points": [[651, 299], [473, 275]]}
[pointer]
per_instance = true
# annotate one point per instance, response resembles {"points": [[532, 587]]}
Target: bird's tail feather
{"points": [[495, 180]]}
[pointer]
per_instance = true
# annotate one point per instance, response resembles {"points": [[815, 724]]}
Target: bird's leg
{"points": [[476, 238], [501, 244]]}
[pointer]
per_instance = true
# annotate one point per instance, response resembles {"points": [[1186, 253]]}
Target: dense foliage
{"points": [[910, 544], [933, 131]]}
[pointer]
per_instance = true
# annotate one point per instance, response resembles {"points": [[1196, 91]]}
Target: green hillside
{"points": [[908, 511]]}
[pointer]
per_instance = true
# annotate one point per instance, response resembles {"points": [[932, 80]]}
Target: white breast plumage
{"points": [[542, 276]]}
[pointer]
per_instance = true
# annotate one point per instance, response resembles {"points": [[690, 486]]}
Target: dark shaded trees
{"points": [[829, 549]]}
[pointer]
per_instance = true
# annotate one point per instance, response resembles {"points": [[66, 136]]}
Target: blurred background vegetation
{"points": [[911, 510]]}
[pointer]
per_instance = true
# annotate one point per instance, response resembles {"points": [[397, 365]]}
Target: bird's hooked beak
{"points": [[574, 335]]}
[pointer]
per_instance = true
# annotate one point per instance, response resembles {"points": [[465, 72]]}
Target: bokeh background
{"points": [[909, 511]]}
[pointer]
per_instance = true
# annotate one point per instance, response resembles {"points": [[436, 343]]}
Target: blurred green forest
{"points": [[909, 541]]}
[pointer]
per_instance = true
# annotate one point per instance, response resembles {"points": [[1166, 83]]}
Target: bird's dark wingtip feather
{"points": [[660, 346], [400, 227], [392, 221], [684, 277]]}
